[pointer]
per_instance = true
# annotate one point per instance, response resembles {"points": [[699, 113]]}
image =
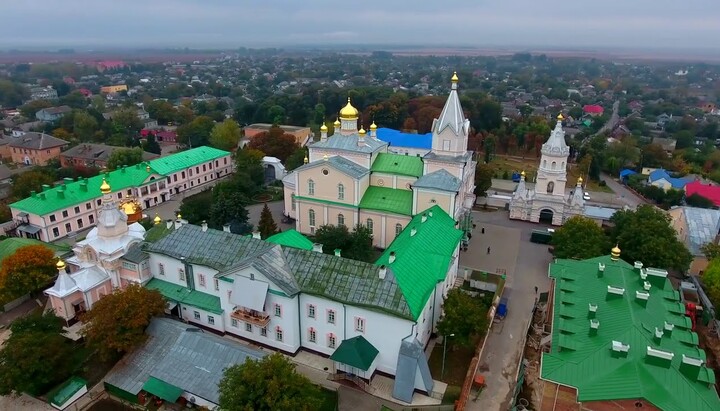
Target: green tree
{"points": [[151, 145], [26, 270], [646, 235], [711, 281], [197, 132], [162, 111], [483, 178], [581, 238], [275, 143], [463, 315], [28, 110], [711, 250], [116, 323], [28, 181], [295, 160], [696, 200], [125, 157], [225, 135], [266, 225], [196, 208], [248, 167], [36, 356], [75, 100], [228, 207], [355, 245], [126, 121], [267, 384]]}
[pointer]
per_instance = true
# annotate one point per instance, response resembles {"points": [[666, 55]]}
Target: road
{"points": [[609, 125], [526, 266], [624, 195]]}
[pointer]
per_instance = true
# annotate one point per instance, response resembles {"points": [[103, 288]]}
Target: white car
{"points": [[586, 196]]}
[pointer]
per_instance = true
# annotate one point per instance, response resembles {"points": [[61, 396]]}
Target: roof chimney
{"points": [[657, 336], [168, 223], [669, 328], [391, 258], [423, 218], [204, 226], [337, 252], [594, 325], [317, 247], [661, 358], [620, 350], [642, 297], [178, 223], [638, 266], [60, 193], [413, 231], [256, 235], [592, 310], [615, 291], [601, 270], [226, 228], [42, 196], [383, 272], [690, 367], [45, 187], [34, 194]]}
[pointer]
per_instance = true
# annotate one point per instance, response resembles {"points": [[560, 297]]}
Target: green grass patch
{"points": [[456, 363], [329, 400], [452, 394]]}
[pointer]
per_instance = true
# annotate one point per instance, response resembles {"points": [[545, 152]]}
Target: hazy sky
{"points": [[232, 23]]}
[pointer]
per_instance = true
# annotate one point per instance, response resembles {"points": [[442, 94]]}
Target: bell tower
{"points": [[552, 173], [450, 130]]}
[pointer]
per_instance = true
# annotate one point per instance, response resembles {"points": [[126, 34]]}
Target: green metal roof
{"points": [[599, 373], [398, 164], [67, 390], [387, 199], [291, 238], [9, 245], [73, 193], [356, 352], [167, 392], [187, 296], [184, 159], [422, 259]]}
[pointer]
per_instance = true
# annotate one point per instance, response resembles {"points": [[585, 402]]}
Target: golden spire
{"points": [[323, 128], [615, 253], [454, 78], [105, 187], [361, 131], [373, 126], [60, 265], [157, 220], [522, 174], [560, 117], [337, 124], [349, 112]]}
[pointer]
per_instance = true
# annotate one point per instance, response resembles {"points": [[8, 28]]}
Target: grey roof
{"points": [[703, 225], [135, 254], [56, 110], [5, 172], [98, 152], [349, 143], [37, 141], [603, 213], [271, 263], [462, 158], [452, 115], [439, 180], [180, 355], [341, 164], [411, 359]]}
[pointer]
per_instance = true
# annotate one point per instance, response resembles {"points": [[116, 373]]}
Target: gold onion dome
{"points": [[60, 265], [105, 187], [324, 128], [337, 123], [580, 180], [349, 112], [306, 159], [157, 219], [560, 117], [179, 217], [615, 252], [454, 78], [373, 126], [361, 131], [522, 173]]}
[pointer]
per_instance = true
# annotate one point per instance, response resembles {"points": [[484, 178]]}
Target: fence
{"points": [[520, 376]]}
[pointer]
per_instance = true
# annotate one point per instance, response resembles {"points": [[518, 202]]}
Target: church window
{"points": [[325, 171], [341, 220], [311, 187], [311, 217], [380, 182], [91, 218], [369, 223], [181, 274], [550, 186], [398, 229], [293, 201], [544, 163], [446, 145], [341, 192], [161, 269], [554, 165]]}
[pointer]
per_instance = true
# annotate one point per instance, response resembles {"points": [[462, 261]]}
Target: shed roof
{"points": [[184, 295], [393, 200]]}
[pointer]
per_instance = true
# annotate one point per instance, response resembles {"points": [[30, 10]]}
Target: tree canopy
{"points": [[580, 238], [275, 143], [711, 281], [266, 225], [197, 132], [125, 157], [268, 384], [356, 245], [646, 235], [228, 207], [464, 316], [483, 178], [225, 135], [696, 200], [28, 181], [26, 270], [116, 323], [249, 172]]}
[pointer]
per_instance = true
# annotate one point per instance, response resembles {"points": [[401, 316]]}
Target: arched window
{"points": [[398, 229], [341, 191], [554, 165], [369, 223], [550, 186], [544, 163], [341, 220], [311, 217], [311, 187]]}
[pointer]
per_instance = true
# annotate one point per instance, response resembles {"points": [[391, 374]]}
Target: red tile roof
{"points": [[593, 109], [710, 192]]}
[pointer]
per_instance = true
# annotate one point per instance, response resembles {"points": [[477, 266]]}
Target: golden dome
{"points": [[522, 174], [157, 219], [337, 123], [373, 126], [560, 117], [362, 131], [323, 128], [105, 187], [615, 253], [60, 265], [306, 159], [454, 78], [325, 157], [580, 180], [349, 112], [128, 207], [179, 217]]}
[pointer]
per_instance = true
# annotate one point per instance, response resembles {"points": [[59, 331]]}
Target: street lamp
{"points": [[442, 372]]}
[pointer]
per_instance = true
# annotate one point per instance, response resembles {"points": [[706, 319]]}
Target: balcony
{"points": [[251, 316]]}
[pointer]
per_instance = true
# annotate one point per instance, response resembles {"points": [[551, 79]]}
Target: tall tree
{"points": [[711, 251], [711, 281], [126, 121], [483, 178], [26, 270], [275, 143], [125, 157], [197, 132], [225, 135], [228, 207], [355, 245], [29, 109], [463, 315], [581, 238], [162, 111], [646, 235], [266, 225], [116, 323], [248, 166], [28, 181], [151, 145], [268, 384], [36, 356], [296, 159]]}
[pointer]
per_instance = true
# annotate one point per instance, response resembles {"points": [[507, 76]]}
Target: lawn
{"points": [[456, 363], [329, 400]]}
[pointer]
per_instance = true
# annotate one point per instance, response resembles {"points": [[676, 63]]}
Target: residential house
{"points": [[707, 106], [43, 93], [114, 89], [593, 110], [93, 155], [661, 178], [696, 227], [52, 113], [620, 340], [73, 205], [668, 144], [303, 135], [32, 148], [709, 191]]}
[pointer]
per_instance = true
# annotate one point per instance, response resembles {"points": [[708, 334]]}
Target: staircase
{"points": [[458, 282]]}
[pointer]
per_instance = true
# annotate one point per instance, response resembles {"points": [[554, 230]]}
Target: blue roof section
{"points": [[397, 138], [625, 173], [661, 174]]}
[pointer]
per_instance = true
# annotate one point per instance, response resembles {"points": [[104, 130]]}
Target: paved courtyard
{"points": [[526, 266]]}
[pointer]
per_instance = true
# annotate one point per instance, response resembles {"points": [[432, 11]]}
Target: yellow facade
{"points": [[114, 89]]}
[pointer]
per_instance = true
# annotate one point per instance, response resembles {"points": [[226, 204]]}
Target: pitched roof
{"points": [[439, 180], [98, 152], [392, 200], [710, 192], [411, 359], [56, 110], [180, 355], [184, 159], [589, 362], [703, 226], [341, 164], [180, 294], [398, 164], [349, 143], [291, 238], [396, 138], [9, 245], [452, 115], [422, 251], [593, 108], [36, 141], [661, 174], [356, 352]]}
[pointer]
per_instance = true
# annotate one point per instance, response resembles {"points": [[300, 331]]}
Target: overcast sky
{"points": [[658, 24]]}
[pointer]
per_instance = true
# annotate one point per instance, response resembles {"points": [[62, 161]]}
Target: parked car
{"points": [[586, 196]]}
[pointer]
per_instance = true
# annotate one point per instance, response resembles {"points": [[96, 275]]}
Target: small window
{"points": [[68, 228], [88, 206], [341, 192], [263, 331], [311, 311], [181, 274], [161, 269], [197, 315], [359, 324], [341, 220], [99, 202], [312, 335], [234, 322], [331, 316], [311, 187], [65, 213], [278, 310], [91, 218], [398, 229], [370, 225], [202, 280], [311, 217], [56, 232], [52, 218], [80, 223], [279, 334], [77, 210], [211, 320], [248, 327], [217, 284], [331, 340]]}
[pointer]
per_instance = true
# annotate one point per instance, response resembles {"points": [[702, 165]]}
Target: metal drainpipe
{"points": [[300, 333], [344, 322], [411, 331], [432, 320]]}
